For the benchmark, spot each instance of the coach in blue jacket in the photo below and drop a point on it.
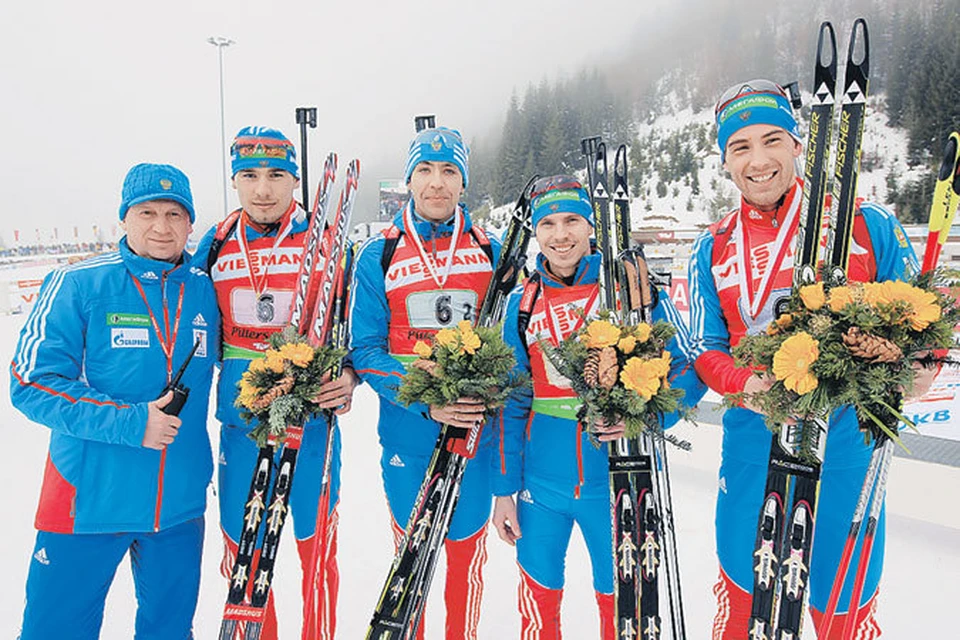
(103, 341)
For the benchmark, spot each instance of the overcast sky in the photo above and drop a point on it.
(91, 88)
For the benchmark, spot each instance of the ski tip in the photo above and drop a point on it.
(827, 46)
(859, 43)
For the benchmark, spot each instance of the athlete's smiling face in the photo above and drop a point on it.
(564, 240)
(760, 160)
(157, 229)
(265, 192)
(436, 188)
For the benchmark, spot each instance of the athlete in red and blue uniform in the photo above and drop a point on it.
(95, 355)
(254, 257)
(740, 268)
(546, 457)
(428, 271)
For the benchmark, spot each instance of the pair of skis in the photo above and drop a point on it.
(317, 315)
(946, 197)
(641, 507)
(786, 520)
(400, 607)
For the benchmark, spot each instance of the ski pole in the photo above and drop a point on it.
(306, 116)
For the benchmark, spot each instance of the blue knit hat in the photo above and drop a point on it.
(262, 147)
(439, 144)
(560, 194)
(754, 102)
(146, 182)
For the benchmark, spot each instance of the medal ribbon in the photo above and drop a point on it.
(428, 262)
(786, 231)
(167, 340)
(554, 327)
(259, 286)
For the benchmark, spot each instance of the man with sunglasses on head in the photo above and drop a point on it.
(547, 456)
(426, 272)
(740, 268)
(253, 257)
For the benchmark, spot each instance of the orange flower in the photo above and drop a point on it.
(923, 304)
(299, 353)
(643, 331)
(627, 345)
(841, 297)
(422, 349)
(470, 342)
(873, 293)
(600, 334)
(784, 320)
(257, 365)
(642, 376)
(813, 296)
(792, 361)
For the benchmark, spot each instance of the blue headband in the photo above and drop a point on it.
(438, 145)
(561, 195)
(755, 108)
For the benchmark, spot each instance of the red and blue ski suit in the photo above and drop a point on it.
(720, 317)
(390, 311)
(546, 456)
(275, 254)
(101, 343)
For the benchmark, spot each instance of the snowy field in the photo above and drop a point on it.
(919, 591)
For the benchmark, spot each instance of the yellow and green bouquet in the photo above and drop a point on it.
(463, 362)
(850, 345)
(278, 389)
(620, 372)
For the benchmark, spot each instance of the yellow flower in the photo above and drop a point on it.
(248, 393)
(792, 361)
(784, 320)
(299, 353)
(813, 296)
(274, 361)
(643, 332)
(422, 349)
(923, 304)
(600, 334)
(470, 342)
(840, 297)
(642, 376)
(627, 345)
(446, 337)
(464, 326)
(873, 293)
(258, 365)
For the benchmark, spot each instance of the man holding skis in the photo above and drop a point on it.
(740, 268)
(428, 271)
(546, 454)
(124, 472)
(254, 257)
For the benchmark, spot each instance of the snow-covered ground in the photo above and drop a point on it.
(919, 593)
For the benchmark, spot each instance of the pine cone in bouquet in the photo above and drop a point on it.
(870, 347)
(591, 368)
(607, 368)
(281, 388)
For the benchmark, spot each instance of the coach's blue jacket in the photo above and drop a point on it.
(88, 361)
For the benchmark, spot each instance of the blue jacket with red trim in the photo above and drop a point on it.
(87, 364)
(390, 312)
(539, 436)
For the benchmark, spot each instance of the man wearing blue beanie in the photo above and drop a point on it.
(124, 472)
(548, 473)
(428, 271)
(254, 258)
(740, 268)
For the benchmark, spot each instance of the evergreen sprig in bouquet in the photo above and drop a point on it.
(620, 371)
(463, 362)
(850, 345)
(278, 389)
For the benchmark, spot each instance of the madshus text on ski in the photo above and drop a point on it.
(117, 359)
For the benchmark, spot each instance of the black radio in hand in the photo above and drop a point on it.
(180, 392)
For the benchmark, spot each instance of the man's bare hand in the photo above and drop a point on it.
(923, 379)
(608, 432)
(505, 519)
(464, 413)
(756, 385)
(337, 394)
(161, 428)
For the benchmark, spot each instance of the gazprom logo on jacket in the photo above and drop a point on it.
(129, 338)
